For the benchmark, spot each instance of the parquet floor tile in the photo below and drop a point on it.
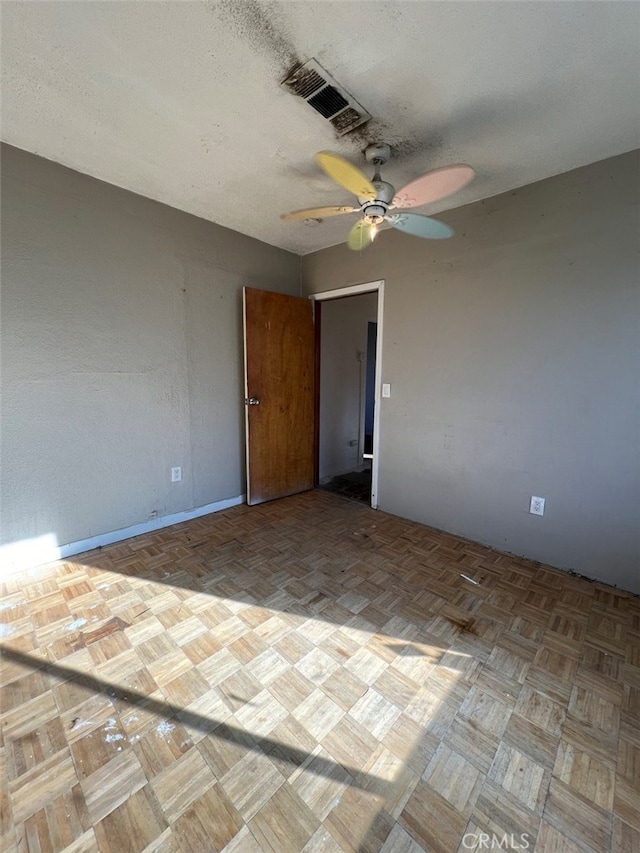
(310, 676)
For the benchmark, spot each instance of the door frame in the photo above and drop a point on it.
(354, 290)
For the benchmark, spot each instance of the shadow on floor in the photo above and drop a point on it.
(355, 485)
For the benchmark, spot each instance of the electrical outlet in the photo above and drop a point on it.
(536, 507)
(176, 475)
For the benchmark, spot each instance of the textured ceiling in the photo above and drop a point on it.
(181, 102)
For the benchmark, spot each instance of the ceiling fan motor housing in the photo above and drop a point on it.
(375, 210)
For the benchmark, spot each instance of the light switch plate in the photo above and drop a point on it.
(386, 389)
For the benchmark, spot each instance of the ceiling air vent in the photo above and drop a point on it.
(318, 88)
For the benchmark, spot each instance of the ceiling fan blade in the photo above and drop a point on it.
(433, 186)
(360, 236)
(421, 226)
(346, 174)
(317, 213)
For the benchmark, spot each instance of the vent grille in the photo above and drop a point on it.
(318, 88)
(305, 81)
(328, 102)
(346, 120)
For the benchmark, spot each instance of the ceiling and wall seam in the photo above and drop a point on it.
(183, 103)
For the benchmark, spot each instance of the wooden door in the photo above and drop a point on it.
(279, 394)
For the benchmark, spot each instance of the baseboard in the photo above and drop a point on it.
(17, 556)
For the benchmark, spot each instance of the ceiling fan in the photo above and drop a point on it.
(378, 200)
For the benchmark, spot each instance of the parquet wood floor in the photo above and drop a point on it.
(311, 675)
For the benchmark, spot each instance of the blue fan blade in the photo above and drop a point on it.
(421, 226)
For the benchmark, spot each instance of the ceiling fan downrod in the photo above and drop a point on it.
(374, 210)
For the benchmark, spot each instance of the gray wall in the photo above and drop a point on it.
(513, 353)
(122, 353)
(342, 381)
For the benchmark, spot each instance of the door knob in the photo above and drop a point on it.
(252, 401)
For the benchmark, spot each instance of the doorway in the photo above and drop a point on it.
(370, 387)
(348, 353)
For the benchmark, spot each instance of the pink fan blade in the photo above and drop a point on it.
(433, 186)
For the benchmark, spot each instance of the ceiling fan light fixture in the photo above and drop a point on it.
(375, 213)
